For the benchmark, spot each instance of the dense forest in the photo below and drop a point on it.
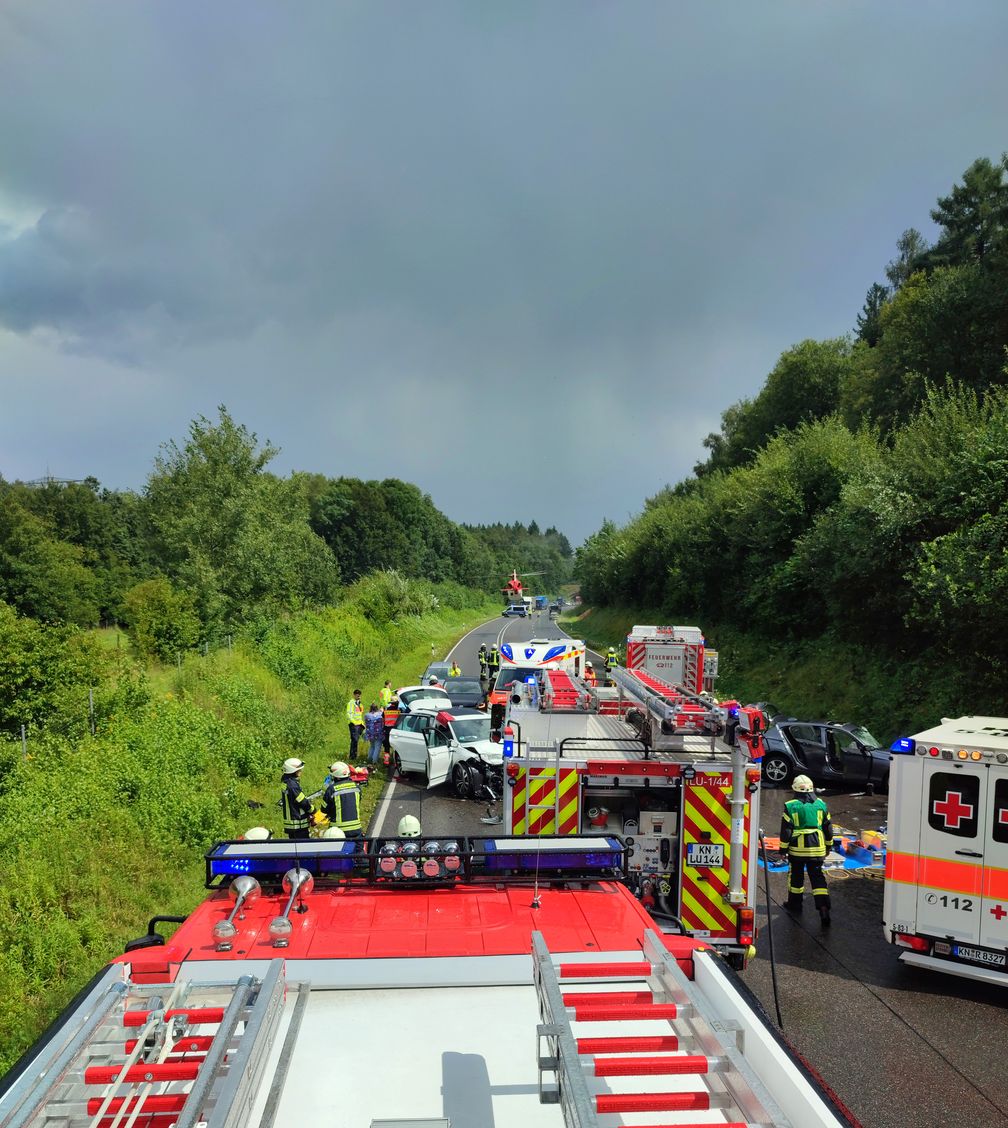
(216, 541)
(863, 493)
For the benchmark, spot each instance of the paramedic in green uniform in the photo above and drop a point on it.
(806, 833)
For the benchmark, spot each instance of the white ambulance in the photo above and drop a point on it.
(946, 891)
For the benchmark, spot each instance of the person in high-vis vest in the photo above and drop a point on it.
(385, 694)
(390, 714)
(455, 671)
(493, 660)
(341, 803)
(806, 834)
(589, 674)
(295, 805)
(483, 661)
(355, 721)
(611, 659)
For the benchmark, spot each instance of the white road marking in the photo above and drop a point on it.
(466, 635)
(379, 817)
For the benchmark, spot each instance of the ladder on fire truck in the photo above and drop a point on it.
(133, 1058)
(666, 1029)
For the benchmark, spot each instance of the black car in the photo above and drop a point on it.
(465, 691)
(830, 754)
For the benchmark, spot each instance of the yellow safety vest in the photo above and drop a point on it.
(355, 712)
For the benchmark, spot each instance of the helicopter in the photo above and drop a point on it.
(513, 589)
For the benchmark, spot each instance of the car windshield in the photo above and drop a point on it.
(864, 736)
(471, 728)
(463, 687)
(514, 673)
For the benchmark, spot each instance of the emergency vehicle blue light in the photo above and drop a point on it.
(733, 711)
(508, 748)
(554, 652)
(507, 651)
(904, 746)
(530, 680)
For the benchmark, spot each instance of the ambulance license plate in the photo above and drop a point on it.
(709, 854)
(978, 955)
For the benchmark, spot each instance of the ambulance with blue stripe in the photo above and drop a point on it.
(945, 904)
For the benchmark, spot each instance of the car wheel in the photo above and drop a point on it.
(462, 781)
(776, 770)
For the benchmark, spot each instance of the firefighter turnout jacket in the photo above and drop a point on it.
(341, 805)
(295, 805)
(806, 829)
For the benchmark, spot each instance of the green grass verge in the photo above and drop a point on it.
(99, 834)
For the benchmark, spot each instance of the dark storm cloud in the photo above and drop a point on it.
(619, 214)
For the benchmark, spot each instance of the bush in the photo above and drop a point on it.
(161, 621)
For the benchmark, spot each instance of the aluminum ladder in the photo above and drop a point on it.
(140, 1055)
(657, 1025)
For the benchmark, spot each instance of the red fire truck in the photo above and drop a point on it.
(647, 761)
(506, 982)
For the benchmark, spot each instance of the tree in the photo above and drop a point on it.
(161, 622)
(911, 247)
(973, 216)
(234, 536)
(869, 325)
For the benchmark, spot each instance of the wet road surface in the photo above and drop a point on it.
(902, 1047)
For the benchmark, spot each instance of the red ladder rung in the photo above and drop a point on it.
(651, 1066)
(195, 1015)
(602, 970)
(606, 998)
(177, 1071)
(625, 1014)
(628, 1045)
(165, 1102)
(652, 1102)
(187, 1045)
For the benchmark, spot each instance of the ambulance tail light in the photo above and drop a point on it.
(915, 943)
(904, 746)
(746, 926)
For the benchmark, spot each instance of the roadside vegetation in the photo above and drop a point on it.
(845, 544)
(99, 832)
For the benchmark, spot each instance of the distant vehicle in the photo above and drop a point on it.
(410, 695)
(443, 744)
(515, 611)
(556, 607)
(437, 670)
(465, 691)
(840, 755)
(540, 602)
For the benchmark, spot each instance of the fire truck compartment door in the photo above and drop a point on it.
(994, 906)
(951, 859)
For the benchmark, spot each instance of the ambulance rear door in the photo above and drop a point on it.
(950, 863)
(994, 905)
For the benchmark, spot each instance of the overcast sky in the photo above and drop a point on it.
(522, 254)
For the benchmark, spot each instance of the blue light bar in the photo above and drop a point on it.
(904, 746)
(530, 855)
(273, 858)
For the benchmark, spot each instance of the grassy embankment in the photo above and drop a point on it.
(98, 834)
(822, 678)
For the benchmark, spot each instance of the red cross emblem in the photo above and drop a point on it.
(953, 810)
(997, 912)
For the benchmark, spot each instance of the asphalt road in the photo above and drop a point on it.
(902, 1048)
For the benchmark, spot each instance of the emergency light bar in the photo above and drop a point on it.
(904, 746)
(376, 861)
(322, 857)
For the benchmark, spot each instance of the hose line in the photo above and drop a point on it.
(769, 924)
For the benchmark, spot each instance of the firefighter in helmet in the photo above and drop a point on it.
(295, 805)
(341, 802)
(493, 660)
(611, 659)
(589, 675)
(806, 833)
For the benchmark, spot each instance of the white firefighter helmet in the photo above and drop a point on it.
(257, 834)
(292, 764)
(409, 827)
(802, 784)
(333, 832)
(339, 770)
